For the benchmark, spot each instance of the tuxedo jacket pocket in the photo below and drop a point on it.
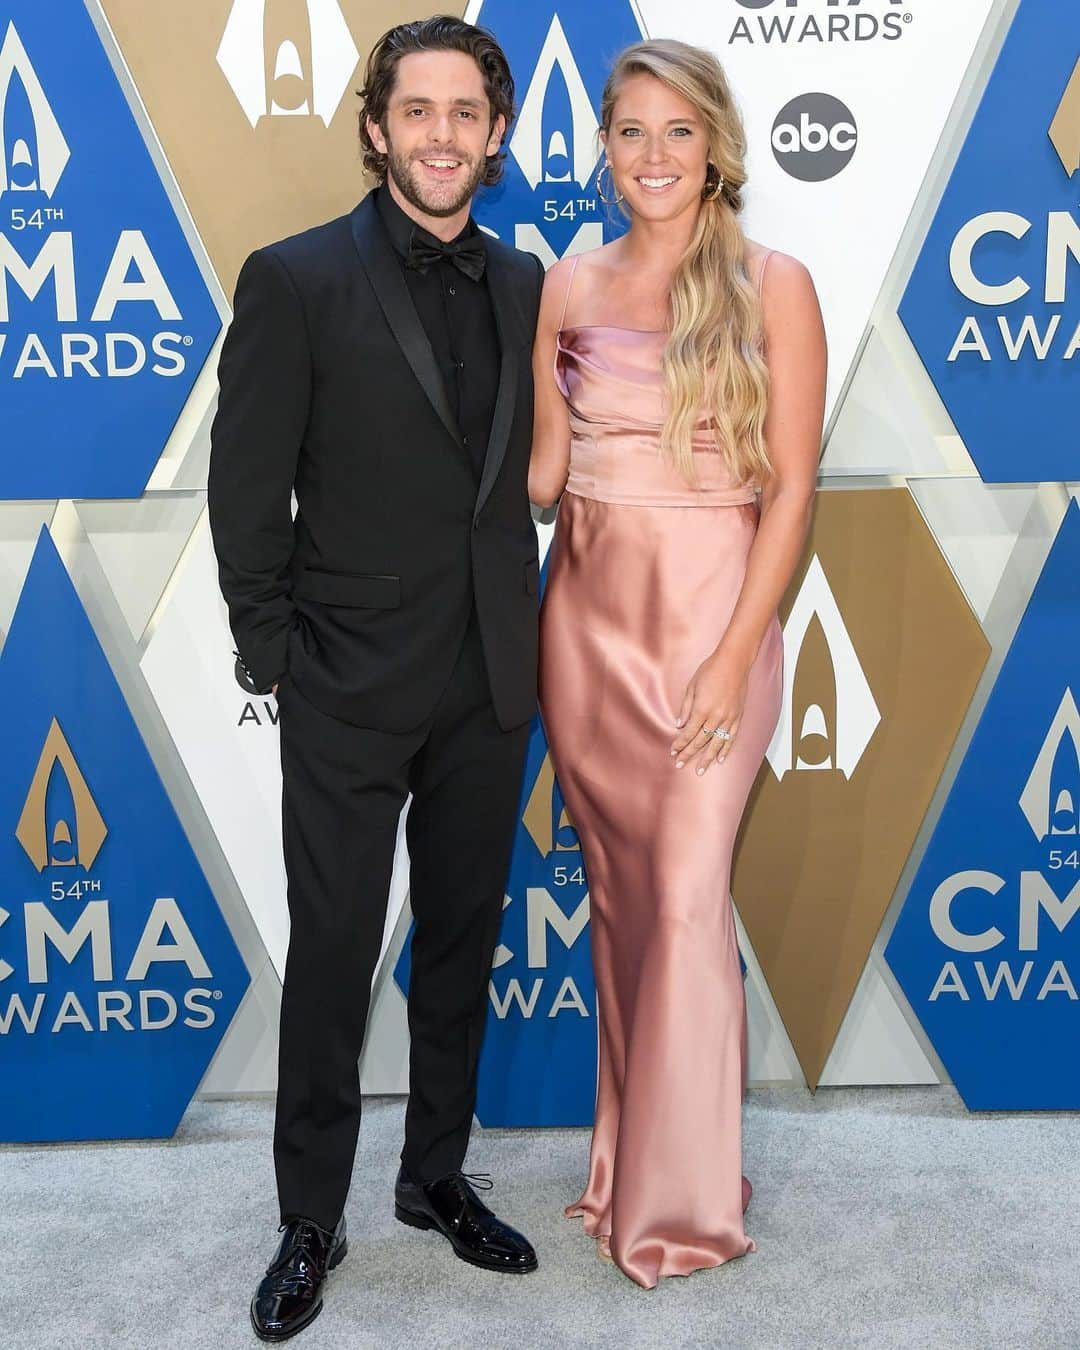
(354, 590)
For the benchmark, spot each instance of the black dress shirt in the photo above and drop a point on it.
(457, 317)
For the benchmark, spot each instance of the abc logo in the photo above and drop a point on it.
(814, 137)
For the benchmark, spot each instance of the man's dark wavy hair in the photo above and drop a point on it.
(443, 33)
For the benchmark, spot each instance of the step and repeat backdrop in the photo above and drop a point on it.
(907, 880)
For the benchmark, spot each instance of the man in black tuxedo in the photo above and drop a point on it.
(379, 367)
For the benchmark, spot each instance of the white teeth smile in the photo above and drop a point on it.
(657, 182)
(441, 163)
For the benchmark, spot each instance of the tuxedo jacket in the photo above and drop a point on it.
(330, 389)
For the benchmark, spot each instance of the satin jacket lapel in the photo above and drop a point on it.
(383, 267)
(509, 324)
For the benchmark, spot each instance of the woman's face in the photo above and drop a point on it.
(657, 148)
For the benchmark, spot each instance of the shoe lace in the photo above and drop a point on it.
(482, 1181)
(297, 1279)
(327, 1233)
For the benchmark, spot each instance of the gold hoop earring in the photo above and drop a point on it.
(608, 201)
(711, 191)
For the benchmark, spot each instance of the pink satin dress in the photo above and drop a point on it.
(644, 573)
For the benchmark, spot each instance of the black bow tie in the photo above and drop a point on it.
(466, 254)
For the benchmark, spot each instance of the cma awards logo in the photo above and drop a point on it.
(1039, 337)
(829, 713)
(59, 846)
(118, 974)
(1002, 342)
(547, 202)
(820, 21)
(548, 826)
(538, 1059)
(61, 827)
(1050, 802)
(98, 288)
(33, 151)
(552, 153)
(1065, 128)
(987, 945)
(538, 1063)
(132, 273)
(288, 58)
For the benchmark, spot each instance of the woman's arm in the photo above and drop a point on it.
(549, 463)
(795, 345)
(795, 348)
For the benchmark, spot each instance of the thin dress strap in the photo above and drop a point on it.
(761, 273)
(569, 288)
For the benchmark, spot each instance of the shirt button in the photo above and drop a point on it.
(461, 365)
(465, 440)
(452, 291)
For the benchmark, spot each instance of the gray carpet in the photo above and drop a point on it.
(883, 1219)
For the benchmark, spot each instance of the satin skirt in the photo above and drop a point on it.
(636, 598)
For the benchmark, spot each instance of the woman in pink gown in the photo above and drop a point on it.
(680, 388)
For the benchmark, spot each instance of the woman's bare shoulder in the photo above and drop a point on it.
(782, 267)
(560, 272)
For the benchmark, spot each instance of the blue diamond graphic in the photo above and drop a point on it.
(547, 201)
(118, 974)
(105, 319)
(987, 945)
(993, 303)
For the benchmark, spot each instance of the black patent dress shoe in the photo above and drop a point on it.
(452, 1206)
(289, 1295)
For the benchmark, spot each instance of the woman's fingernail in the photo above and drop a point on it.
(679, 721)
(701, 771)
(678, 763)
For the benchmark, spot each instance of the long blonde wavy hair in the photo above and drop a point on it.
(713, 359)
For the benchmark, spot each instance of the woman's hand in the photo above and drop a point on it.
(714, 700)
(795, 342)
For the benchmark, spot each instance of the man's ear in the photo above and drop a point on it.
(374, 131)
(498, 130)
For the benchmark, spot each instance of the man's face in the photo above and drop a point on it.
(438, 131)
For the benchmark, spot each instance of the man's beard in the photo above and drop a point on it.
(434, 199)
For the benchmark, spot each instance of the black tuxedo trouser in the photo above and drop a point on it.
(344, 787)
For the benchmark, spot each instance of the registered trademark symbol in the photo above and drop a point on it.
(188, 342)
(216, 993)
(908, 16)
